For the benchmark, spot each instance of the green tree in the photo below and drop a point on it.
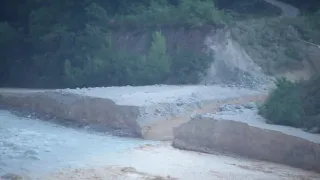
(158, 61)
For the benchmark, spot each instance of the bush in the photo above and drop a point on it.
(294, 104)
(283, 105)
(311, 96)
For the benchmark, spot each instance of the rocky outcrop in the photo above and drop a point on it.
(206, 134)
(101, 113)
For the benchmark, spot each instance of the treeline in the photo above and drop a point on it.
(66, 43)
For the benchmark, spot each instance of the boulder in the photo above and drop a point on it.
(209, 135)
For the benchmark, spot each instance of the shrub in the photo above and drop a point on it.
(311, 96)
(283, 106)
(294, 104)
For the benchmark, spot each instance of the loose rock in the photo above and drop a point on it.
(251, 105)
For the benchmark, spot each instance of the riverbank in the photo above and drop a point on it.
(42, 150)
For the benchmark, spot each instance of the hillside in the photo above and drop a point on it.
(127, 89)
(90, 43)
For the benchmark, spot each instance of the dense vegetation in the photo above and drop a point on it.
(67, 43)
(294, 104)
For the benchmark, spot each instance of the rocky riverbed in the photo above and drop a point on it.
(128, 111)
(41, 149)
(35, 149)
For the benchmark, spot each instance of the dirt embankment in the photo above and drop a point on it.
(213, 136)
(79, 110)
(150, 111)
(241, 131)
(163, 130)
